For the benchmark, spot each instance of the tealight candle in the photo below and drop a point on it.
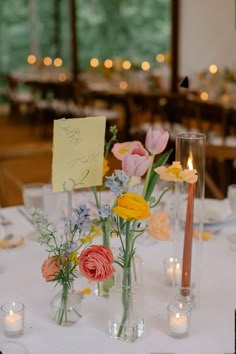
(178, 319)
(172, 270)
(13, 319)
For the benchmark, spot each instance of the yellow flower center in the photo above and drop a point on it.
(174, 170)
(123, 150)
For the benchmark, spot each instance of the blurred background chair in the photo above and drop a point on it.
(23, 163)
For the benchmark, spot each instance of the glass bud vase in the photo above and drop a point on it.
(102, 288)
(126, 302)
(65, 307)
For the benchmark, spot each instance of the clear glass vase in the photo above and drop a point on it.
(65, 307)
(102, 288)
(126, 302)
(190, 152)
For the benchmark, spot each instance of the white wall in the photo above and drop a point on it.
(207, 35)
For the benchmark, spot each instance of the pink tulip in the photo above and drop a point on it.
(135, 165)
(156, 140)
(95, 263)
(119, 150)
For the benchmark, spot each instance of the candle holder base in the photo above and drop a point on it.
(178, 316)
(12, 334)
(186, 295)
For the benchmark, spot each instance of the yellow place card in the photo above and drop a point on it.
(78, 150)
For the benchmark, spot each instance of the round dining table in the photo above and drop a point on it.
(212, 327)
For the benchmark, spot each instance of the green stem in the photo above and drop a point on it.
(148, 175)
(105, 234)
(62, 314)
(126, 281)
(162, 194)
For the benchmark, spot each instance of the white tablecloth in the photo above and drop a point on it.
(212, 325)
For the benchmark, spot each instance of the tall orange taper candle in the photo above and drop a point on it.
(187, 252)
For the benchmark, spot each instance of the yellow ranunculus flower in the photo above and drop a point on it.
(132, 206)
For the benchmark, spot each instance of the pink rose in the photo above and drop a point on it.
(119, 150)
(159, 226)
(156, 140)
(135, 165)
(95, 263)
(51, 268)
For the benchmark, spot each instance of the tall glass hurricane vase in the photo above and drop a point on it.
(190, 152)
(126, 302)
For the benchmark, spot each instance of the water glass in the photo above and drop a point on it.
(54, 204)
(33, 195)
(231, 193)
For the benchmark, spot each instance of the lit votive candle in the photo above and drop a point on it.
(13, 319)
(178, 319)
(172, 270)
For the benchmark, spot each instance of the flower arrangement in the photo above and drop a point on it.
(127, 217)
(130, 214)
(61, 266)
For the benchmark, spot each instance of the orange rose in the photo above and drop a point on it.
(51, 267)
(95, 263)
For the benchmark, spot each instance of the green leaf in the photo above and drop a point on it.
(154, 176)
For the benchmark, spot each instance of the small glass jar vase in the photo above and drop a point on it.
(126, 302)
(65, 307)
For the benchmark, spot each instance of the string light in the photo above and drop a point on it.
(145, 65)
(31, 59)
(62, 77)
(57, 62)
(126, 65)
(204, 96)
(160, 58)
(108, 63)
(213, 69)
(94, 62)
(47, 61)
(123, 85)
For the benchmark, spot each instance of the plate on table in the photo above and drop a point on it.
(215, 211)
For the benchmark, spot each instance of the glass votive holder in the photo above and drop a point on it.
(178, 316)
(13, 319)
(172, 270)
(186, 295)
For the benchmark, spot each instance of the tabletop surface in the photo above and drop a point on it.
(212, 325)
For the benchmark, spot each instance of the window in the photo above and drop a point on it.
(132, 29)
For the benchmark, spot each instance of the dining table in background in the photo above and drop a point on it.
(212, 328)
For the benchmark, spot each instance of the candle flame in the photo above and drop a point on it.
(190, 162)
(11, 313)
(177, 315)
